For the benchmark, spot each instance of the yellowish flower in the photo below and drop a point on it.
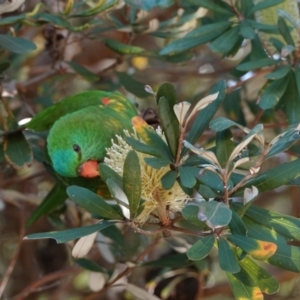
(157, 201)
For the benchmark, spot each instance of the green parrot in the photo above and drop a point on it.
(77, 140)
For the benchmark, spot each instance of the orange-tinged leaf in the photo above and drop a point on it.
(140, 126)
(260, 250)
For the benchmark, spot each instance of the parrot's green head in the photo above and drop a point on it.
(76, 145)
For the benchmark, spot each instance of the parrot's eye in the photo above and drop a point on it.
(76, 148)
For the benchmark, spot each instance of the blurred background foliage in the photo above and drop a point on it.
(52, 49)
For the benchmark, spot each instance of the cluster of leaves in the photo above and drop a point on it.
(240, 232)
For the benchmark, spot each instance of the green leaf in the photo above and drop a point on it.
(4, 65)
(90, 265)
(206, 192)
(144, 148)
(280, 72)
(263, 5)
(149, 4)
(190, 213)
(201, 249)
(236, 225)
(243, 287)
(227, 258)
(168, 180)
(214, 214)
(246, 30)
(206, 114)
(266, 282)
(291, 98)
(157, 163)
(53, 19)
(257, 64)
(196, 37)
(107, 172)
(224, 146)
(82, 71)
(273, 92)
(276, 177)
(17, 150)
(122, 48)
(166, 98)
(260, 250)
(285, 31)
(12, 19)
(212, 180)
(283, 224)
(212, 6)
(225, 42)
(69, 234)
(132, 182)
(16, 44)
(131, 85)
(54, 198)
(187, 176)
(221, 123)
(92, 202)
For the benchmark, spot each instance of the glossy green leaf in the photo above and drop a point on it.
(246, 30)
(206, 192)
(16, 44)
(148, 5)
(236, 225)
(280, 72)
(166, 98)
(212, 6)
(221, 123)
(190, 213)
(263, 27)
(53, 19)
(82, 71)
(224, 146)
(225, 42)
(196, 37)
(92, 202)
(276, 177)
(263, 5)
(157, 163)
(266, 282)
(187, 176)
(291, 99)
(132, 182)
(260, 250)
(243, 287)
(17, 150)
(107, 172)
(227, 259)
(272, 93)
(12, 19)
(285, 31)
(212, 180)
(69, 234)
(168, 180)
(122, 48)
(283, 224)
(206, 114)
(132, 85)
(90, 265)
(215, 214)
(54, 198)
(257, 64)
(201, 249)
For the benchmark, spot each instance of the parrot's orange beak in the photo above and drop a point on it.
(88, 169)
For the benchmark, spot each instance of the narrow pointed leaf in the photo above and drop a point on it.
(16, 44)
(236, 225)
(106, 172)
(257, 64)
(227, 259)
(82, 71)
(92, 202)
(201, 249)
(70, 234)
(280, 72)
(132, 184)
(224, 146)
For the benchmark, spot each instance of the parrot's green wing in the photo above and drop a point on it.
(116, 101)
